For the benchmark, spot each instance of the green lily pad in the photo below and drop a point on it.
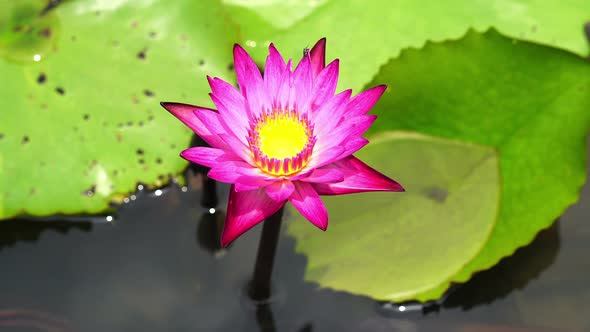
(366, 34)
(394, 246)
(81, 122)
(530, 102)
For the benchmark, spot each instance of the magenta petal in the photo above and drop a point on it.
(325, 84)
(274, 71)
(245, 210)
(249, 80)
(203, 156)
(307, 201)
(184, 113)
(280, 190)
(363, 102)
(302, 85)
(324, 175)
(328, 115)
(318, 57)
(358, 177)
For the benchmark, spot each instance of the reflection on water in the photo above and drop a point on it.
(158, 268)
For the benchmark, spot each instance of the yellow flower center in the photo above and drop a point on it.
(281, 142)
(282, 136)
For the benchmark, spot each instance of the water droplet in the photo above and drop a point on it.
(158, 192)
(212, 211)
(250, 43)
(109, 218)
(37, 57)
(140, 187)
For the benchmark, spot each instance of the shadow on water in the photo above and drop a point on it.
(512, 273)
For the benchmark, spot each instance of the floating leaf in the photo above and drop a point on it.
(395, 246)
(366, 34)
(81, 122)
(530, 102)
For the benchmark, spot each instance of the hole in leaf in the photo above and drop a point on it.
(41, 78)
(45, 33)
(142, 54)
(90, 191)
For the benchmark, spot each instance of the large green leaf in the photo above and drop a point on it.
(530, 102)
(80, 122)
(395, 246)
(366, 34)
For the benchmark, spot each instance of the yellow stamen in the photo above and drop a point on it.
(282, 136)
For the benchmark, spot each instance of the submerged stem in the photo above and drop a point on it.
(260, 286)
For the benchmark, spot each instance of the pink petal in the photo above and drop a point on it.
(362, 103)
(323, 157)
(249, 80)
(274, 71)
(280, 190)
(230, 105)
(325, 85)
(353, 145)
(358, 177)
(302, 84)
(318, 57)
(348, 131)
(245, 210)
(284, 91)
(240, 173)
(231, 121)
(184, 113)
(324, 175)
(204, 156)
(328, 115)
(308, 202)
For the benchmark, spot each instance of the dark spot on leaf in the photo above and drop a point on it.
(43, 106)
(134, 99)
(60, 90)
(150, 118)
(33, 191)
(161, 177)
(119, 125)
(141, 161)
(25, 140)
(534, 28)
(140, 123)
(139, 152)
(97, 13)
(119, 137)
(41, 78)
(1, 135)
(17, 28)
(148, 93)
(183, 37)
(173, 146)
(90, 191)
(158, 160)
(152, 34)
(46, 33)
(115, 172)
(201, 62)
(42, 164)
(134, 24)
(142, 54)
(230, 67)
(115, 43)
(74, 38)
(86, 117)
(436, 194)
(129, 124)
(75, 128)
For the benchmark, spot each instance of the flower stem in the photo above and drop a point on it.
(260, 285)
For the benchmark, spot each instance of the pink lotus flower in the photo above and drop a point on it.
(283, 137)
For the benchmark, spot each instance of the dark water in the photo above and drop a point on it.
(156, 268)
